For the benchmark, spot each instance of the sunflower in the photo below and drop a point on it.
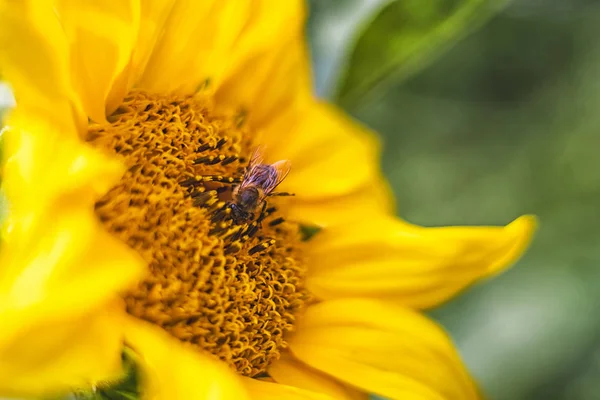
(135, 123)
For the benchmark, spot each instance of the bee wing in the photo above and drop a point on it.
(255, 161)
(253, 167)
(282, 169)
(257, 157)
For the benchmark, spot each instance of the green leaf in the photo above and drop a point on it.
(405, 37)
(308, 231)
(125, 389)
(119, 395)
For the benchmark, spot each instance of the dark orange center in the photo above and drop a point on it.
(226, 287)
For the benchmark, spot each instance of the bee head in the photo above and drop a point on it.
(239, 214)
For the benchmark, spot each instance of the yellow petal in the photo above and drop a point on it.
(415, 266)
(50, 260)
(289, 371)
(195, 45)
(371, 199)
(271, 25)
(153, 17)
(34, 58)
(50, 354)
(121, 85)
(102, 35)
(51, 230)
(269, 84)
(267, 67)
(268, 75)
(172, 371)
(42, 165)
(383, 349)
(261, 390)
(59, 267)
(331, 155)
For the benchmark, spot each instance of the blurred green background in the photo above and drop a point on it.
(488, 112)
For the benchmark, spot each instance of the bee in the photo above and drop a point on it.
(257, 184)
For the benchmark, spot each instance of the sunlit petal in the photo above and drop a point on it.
(290, 371)
(101, 35)
(42, 353)
(171, 371)
(374, 198)
(199, 35)
(382, 349)
(262, 390)
(415, 266)
(51, 184)
(34, 60)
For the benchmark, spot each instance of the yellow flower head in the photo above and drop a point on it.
(142, 215)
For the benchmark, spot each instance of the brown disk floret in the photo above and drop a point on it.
(229, 289)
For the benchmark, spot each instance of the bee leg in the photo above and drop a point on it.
(252, 228)
(221, 213)
(276, 221)
(281, 194)
(262, 214)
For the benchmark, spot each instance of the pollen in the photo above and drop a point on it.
(229, 288)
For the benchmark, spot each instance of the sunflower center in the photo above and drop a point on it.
(223, 285)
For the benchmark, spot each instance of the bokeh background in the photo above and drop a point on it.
(489, 110)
